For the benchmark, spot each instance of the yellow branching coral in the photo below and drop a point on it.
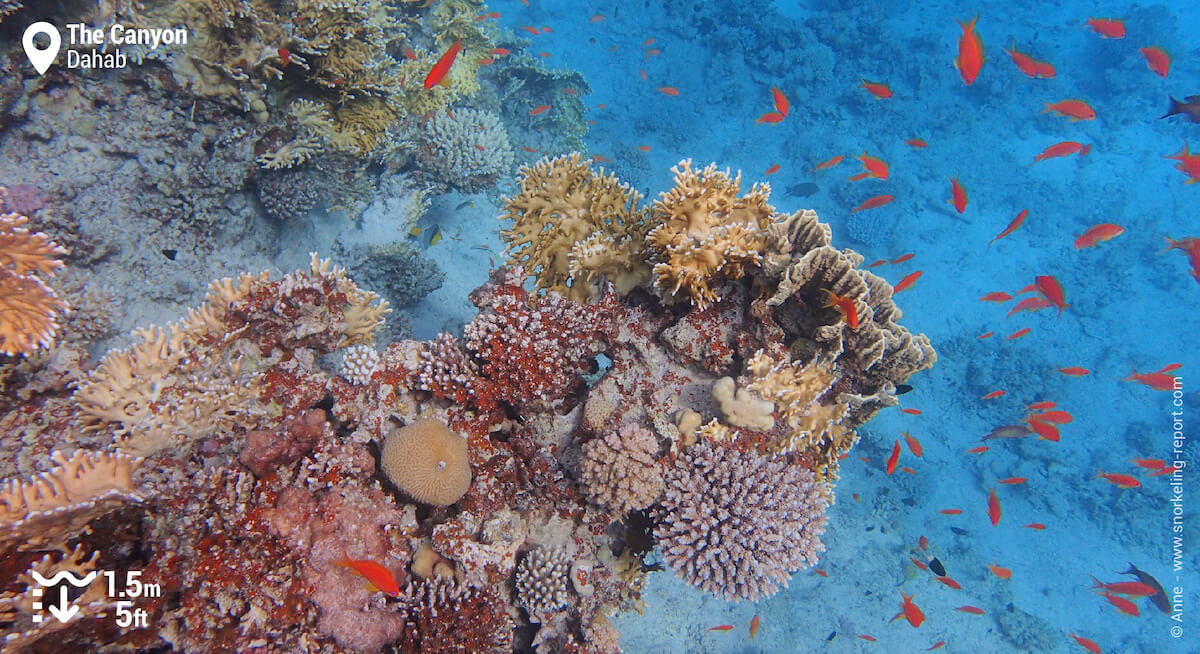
(53, 506)
(706, 232)
(572, 227)
(29, 309)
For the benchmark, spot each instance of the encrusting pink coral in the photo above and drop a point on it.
(736, 523)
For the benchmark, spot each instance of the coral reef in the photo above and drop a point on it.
(467, 149)
(358, 363)
(541, 581)
(427, 461)
(737, 524)
(620, 470)
(29, 309)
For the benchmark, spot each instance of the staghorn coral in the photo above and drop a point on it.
(467, 149)
(29, 309)
(58, 503)
(427, 461)
(736, 523)
(573, 228)
(619, 470)
(541, 581)
(706, 232)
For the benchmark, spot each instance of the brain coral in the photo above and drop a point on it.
(706, 231)
(737, 524)
(428, 461)
(466, 148)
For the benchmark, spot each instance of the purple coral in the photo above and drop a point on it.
(619, 470)
(737, 524)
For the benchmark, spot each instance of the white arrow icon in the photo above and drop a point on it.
(41, 58)
(67, 611)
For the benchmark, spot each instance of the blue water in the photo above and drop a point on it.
(1130, 305)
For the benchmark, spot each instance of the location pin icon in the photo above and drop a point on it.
(41, 59)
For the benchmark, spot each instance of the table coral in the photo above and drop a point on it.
(736, 523)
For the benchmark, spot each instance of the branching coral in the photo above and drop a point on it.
(466, 148)
(573, 227)
(541, 581)
(29, 309)
(57, 504)
(441, 616)
(706, 232)
(620, 470)
(736, 523)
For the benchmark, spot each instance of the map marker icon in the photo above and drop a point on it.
(41, 58)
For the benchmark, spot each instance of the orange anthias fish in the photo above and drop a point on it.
(973, 610)
(1045, 69)
(1087, 644)
(770, 171)
(958, 195)
(1121, 481)
(845, 306)
(1041, 406)
(1012, 227)
(1157, 60)
(877, 89)
(1029, 304)
(916, 143)
(895, 456)
(1097, 234)
(949, 582)
(970, 52)
(902, 258)
(378, 577)
(1044, 430)
(1189, 164)
(669, 90)
(770, 118)
(825, 165)
(1073, 109)
(1058, 417)
(780, 101)
(1109, 28)
(1123, 605)
(754, 624)
(1013, 480)
(874, 167)
(437, 74)
(908, 281)
(997, 296)
(1156, 380)
(910, 611)
(1003, 573)
(914, 446)
(1024, 62)
(993, 510)
(1017, 334)
(993, 395)
(1131, 588)
(1052, 291)
(723, 627)
(1035, 525)
(873, 203)
(1064, 149)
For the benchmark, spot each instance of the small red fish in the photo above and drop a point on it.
(979, 449)
(1150, 464)
(647, 41)
(914, 446)
(908, 281)
(876, 264)
(1075, 371)
(1052, 290)
(1098, 234)
(993, 395)
(958, 195)
(1123, 605)
(539, 110)
(997, 296)
(754, 624)
(911, 412)
(722, 627)
(378, 577)
(973, 610)
(923, 542)
(532, 30)
(596, 18)
(908, 470)
(1073, 109)
(437, 74)
(916, 144)
(877, 89)
(1003, 573)
(1013, 480)
(1109, 28)
(1035, 525)
(951, 511)
(986, 335)
(938, 645)
(895, 456)
(1024, 62)
(1155, 380)
(528, 149)
(1041, 406)
(1055, 417)
(782, 105)
(1123, 482)
(919, 564)
(285, 56)
(874, 166)
(950, 583)
(844, 306)
(822, 573)
(825, 165)
(1045, 431)
(1063, 149)
(651, 53)
(902, 258)
(1012, 226)
(1045, 69)
(867, 637)
(970, 52)
(1029, 304)
(1087, 644)
(499, 52)
(772, 170)
(910, 611)
(668, 90)
(993, 510)
(874, 203)
(1130, 588)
